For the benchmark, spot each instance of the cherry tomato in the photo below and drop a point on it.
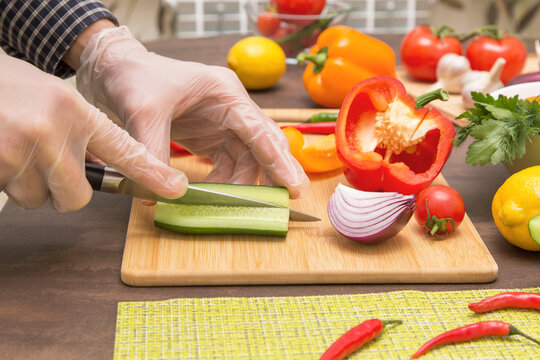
(422, 48)
(483, 51)
(267, 22)
(446, 210)
(300, 7)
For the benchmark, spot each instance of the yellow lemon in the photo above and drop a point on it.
(259, 62)
(515, 203)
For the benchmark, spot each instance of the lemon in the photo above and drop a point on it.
(259, 62)
(515, 203)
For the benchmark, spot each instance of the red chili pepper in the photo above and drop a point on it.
(178, 148)
(353, 339)
(470, 332)
(521, 300)
(323, 128)
(388, 144)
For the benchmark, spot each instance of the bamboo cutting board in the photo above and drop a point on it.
(311, 252)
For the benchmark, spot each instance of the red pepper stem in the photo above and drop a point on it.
(514, 331)
(388, 322)
(438, 94)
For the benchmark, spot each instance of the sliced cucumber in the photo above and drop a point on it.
(534, 228)
(219, 219)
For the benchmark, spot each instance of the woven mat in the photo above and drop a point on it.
(303, 327)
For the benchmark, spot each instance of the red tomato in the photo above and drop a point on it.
(300, 7)
(267, 23)
(422, 48)
(483, 51)
(443, 203)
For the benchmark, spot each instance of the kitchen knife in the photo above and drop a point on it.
(107, 179)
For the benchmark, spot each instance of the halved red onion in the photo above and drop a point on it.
(369, 217)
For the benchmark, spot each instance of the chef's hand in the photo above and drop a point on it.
(204, 108)
(46, 127)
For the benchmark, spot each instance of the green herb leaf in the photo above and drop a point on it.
(501, 128)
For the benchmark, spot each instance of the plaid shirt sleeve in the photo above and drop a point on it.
(41, 31)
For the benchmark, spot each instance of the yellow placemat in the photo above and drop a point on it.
(303, 327)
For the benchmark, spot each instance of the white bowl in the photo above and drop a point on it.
(524, 90)
(532, 152)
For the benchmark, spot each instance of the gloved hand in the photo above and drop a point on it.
(204, 108)
(46, 127)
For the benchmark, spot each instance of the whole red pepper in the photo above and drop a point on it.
(470, 332)
(386, 143)
(523, 300)
(355, 338)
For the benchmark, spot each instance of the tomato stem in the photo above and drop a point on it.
(438, 94)
(433, 224)
(443, 30)
(491, 31)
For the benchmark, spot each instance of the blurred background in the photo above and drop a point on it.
(155, 19)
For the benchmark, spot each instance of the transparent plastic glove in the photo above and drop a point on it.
(204, 108)
(46, 127)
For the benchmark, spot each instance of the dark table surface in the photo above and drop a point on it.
(60, 273)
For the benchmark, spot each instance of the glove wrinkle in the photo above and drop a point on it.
(202, 107)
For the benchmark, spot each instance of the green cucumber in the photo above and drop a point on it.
(222, 219)
(534, 228)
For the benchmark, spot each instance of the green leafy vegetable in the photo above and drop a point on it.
(501, 128)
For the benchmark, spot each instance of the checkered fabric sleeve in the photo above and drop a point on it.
(41, 31)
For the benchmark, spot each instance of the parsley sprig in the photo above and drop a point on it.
(500, 126)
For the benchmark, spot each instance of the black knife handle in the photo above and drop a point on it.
(94, 175)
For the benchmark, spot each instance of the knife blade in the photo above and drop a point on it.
(106, 179)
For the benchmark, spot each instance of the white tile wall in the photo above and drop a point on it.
(211, 17)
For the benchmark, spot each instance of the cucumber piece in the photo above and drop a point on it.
(220, 219)
(534, 228)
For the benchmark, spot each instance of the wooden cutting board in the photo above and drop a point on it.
(311, 252)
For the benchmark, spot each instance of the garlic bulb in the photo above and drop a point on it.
(481, 81)
(450, 69)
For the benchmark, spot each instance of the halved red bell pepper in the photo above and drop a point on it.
(386, 143)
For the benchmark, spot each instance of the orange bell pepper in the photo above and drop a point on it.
(295, 139)
(320, 156)
(341, 58)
